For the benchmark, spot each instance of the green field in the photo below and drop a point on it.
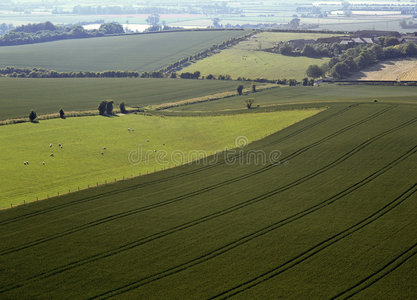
(245, 59)
(81, 163)
(19, 96)
(332, 216)
(146, 52)
(326, 93)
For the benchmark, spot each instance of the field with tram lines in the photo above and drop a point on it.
(330, 214)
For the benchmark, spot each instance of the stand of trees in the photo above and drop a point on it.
(358, 58)
(45, 32)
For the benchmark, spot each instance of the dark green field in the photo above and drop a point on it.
(332, 216)
(19, 96)
(145, 52)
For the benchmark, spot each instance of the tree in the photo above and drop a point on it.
(123, 108)
(309, 51)
(61, 114)
(253, 88)
(32, 116)
(111, 28)
(153, 20)
(314, 71)
(109, 107)
(240, 89)
(249, 102)
(340, 70)
(292, 82)
(216, 23)
(102, 108)
(294, 23)
(305, 81)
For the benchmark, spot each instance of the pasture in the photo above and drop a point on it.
(332, 216)
(144, 52)
(247, 60)
(20, 96)
(157, 143)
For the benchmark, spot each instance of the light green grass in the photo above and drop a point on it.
(80, 162)
(19, 96)
(245, 59)
(146, 52)
(337, 209)
(254, 64)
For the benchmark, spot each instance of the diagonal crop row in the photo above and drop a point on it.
(165, 179)
(292, 262)
(212, 187)
(391, 266)
(318, 247)
(236, 243)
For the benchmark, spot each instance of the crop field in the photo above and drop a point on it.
(324, 208)
(155, 144)
(246, 59)
(398, 69)
(326, 94)
(20, 96)
(146, 52)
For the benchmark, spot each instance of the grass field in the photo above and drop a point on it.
(335, 217)
(146, 52)
(20, 96)
(245, 59)
(330, 93)
(80, 162)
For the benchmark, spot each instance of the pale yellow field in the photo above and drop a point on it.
(399, 69)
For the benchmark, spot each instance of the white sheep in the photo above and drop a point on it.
(154, 150)
(147, 140)
(52, 155)
(128, 129)
(43, 163)
(50, 145)
(104, 148)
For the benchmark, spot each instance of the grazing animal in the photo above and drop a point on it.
(128, 129)
(52, 155)
(154, 150)
(104, 148)
(25, 163)
(147, 140)
(102, 153)
(163, 144)
(43, 163)
(50, 145)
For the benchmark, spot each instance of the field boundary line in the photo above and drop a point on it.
(206, 189)
(162, 180)
(258, 233)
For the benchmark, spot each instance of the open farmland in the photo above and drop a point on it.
(155, 144)
(20, 96)
(144, 52)
(398, 69)
(247, 60)
(285, 96)
(332, 216)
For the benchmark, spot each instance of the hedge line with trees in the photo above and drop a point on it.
(358, 58)
(46, 32)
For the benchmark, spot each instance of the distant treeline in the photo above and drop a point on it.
(46, 32)
(207, 8)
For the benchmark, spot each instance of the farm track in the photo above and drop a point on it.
(221, 184)
(235, 243)
(319, 247)
(368, 281)
(162, 180)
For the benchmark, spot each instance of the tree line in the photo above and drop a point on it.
(358, 58)
(46, 32)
